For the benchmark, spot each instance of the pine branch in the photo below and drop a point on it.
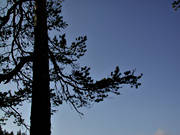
(6, 18)
(7, 77)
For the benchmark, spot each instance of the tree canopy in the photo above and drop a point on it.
(69, 82)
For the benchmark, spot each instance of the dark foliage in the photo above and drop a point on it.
(176, 4)
(4, 132)
(69, 82)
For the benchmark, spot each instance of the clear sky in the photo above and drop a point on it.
(134, 34)
(141, 34)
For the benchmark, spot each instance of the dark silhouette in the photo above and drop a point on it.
(4, 132)
(176, 4)
(44, 67)
(41, 107)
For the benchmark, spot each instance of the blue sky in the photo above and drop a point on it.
(141, 34)
(133, 34)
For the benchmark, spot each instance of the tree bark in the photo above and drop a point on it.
(41, 108)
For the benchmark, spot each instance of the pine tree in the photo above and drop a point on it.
(35, 56)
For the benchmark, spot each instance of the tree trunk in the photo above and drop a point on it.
(40, 108)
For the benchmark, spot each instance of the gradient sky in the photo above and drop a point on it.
(141, 34)
(134, 34)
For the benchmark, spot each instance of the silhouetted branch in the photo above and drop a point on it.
(6, 18)
(7, 77)
(18, 117)
(20, 120)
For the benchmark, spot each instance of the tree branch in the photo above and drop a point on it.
(19, 118)
(6, 18)
(7, 77)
